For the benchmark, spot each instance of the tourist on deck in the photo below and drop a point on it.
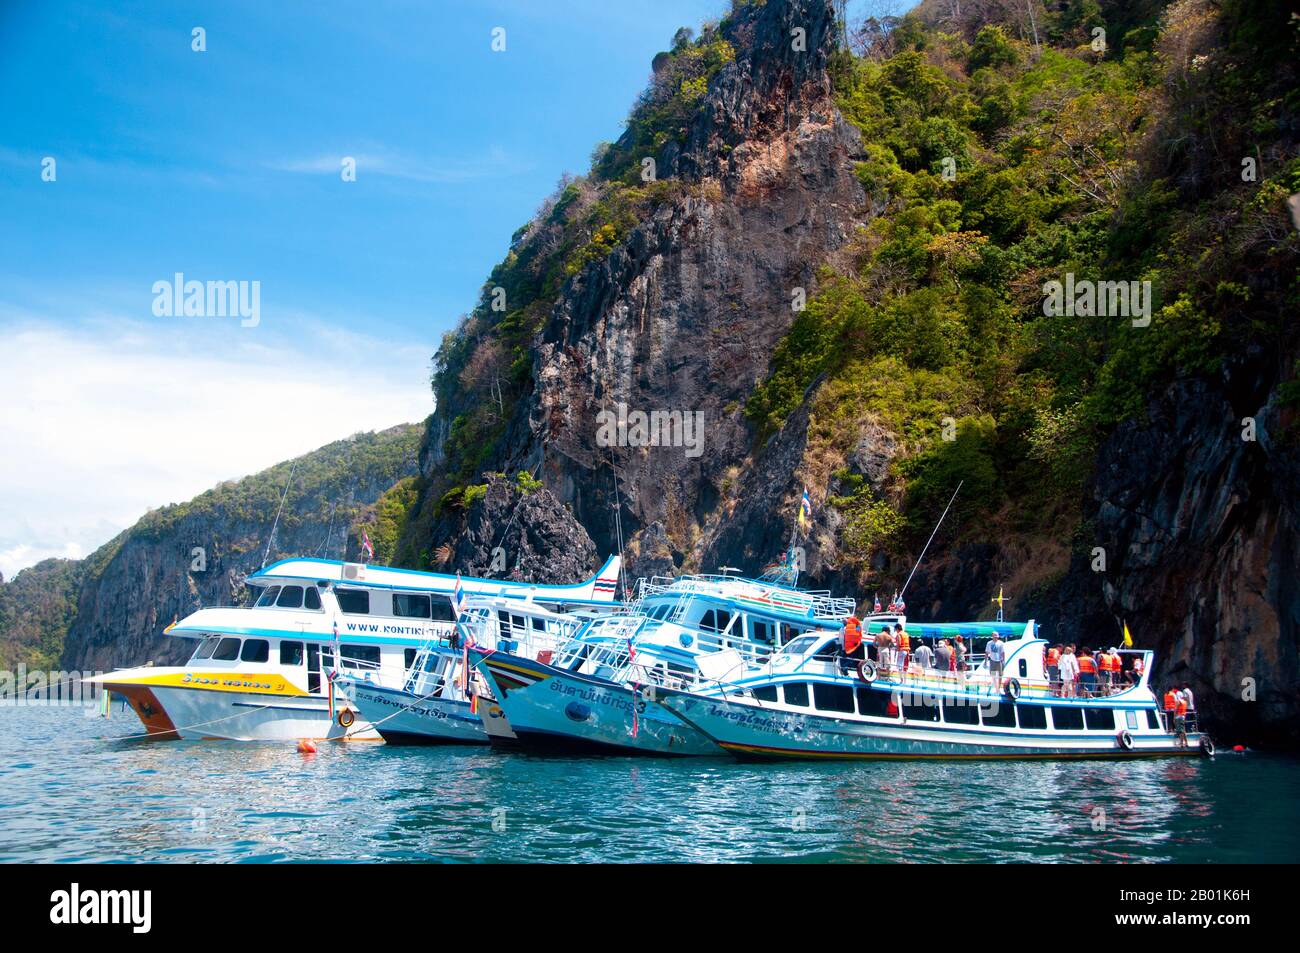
(1180, 718)
(902, 646)
(959, 658)
(1171, 704)
(995, 653)
(1191, 705)
(943, 656)
(1087, 673)
(1139, 667)
(924, 658)
(1105, 672)
(885, 650)
(851, 639)
(1052, 662)
(1069, 671)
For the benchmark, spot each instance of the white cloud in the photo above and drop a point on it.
(495, 163)
(104, 420)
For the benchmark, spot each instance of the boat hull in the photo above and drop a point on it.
(551, 708)
(749, 731)
(178, 703)
(403, 718)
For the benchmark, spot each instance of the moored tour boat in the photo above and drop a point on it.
(812, 702)
(262, 672)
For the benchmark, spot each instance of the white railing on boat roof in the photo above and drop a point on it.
(748, 592)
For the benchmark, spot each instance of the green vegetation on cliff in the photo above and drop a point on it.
(995, 167)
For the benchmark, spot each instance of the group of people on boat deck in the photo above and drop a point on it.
(1081, 673)
(896, 656)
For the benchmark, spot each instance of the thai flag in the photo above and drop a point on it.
(877, 603)
(458, 597)
(365, 544)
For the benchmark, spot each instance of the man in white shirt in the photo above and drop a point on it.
(1069, 668)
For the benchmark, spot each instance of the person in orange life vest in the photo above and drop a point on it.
(1138, 667)
(851, 638)
(1171, 702)
(1180, 718)
(1109, 663)
(1087, 672)
(902, 648)
(1051, 661)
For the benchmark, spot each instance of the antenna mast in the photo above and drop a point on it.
(930, 540)
(276, 522)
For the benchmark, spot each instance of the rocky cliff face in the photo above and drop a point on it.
(683, 316)
(199, 553)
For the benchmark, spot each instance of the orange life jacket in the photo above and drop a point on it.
(1087, 665)
(904, 642)
(1053, 656)
(1108, 663)
(1170, 700)
(1180, 705)
(852, 634)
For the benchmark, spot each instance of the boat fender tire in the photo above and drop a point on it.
(1012, 689)
(1125, 740)
(346, 718)
(1207, 746)
(867, 671)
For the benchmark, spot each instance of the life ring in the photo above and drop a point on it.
(346, 718)
(1125, 739)
(1012, 689)
(867, 671)
(1207, 746)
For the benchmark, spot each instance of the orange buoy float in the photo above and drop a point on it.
(306, 746)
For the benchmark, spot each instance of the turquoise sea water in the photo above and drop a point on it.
(72, 789)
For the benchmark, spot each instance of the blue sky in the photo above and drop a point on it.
(224, 165)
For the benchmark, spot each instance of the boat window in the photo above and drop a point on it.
(311, 598)
(1033, 716)
(290, 598)
(290, 653)
(1100, 719)
(408, 605)
(796, 695)
(998, 714)
(833, 697)
(874, 703)
(799, 645)
(1067, 719)
(927, 710)
(762, 631)
(205, 648)
(957, 712)
(724, 619)
(267, 598)
(709, 621)
(1024, 669)
(1153, 720)
(227, 650)
(354, 601)
(255, 650)
(360, 656)
(537, 625)
(765, 693)
(408, 658)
